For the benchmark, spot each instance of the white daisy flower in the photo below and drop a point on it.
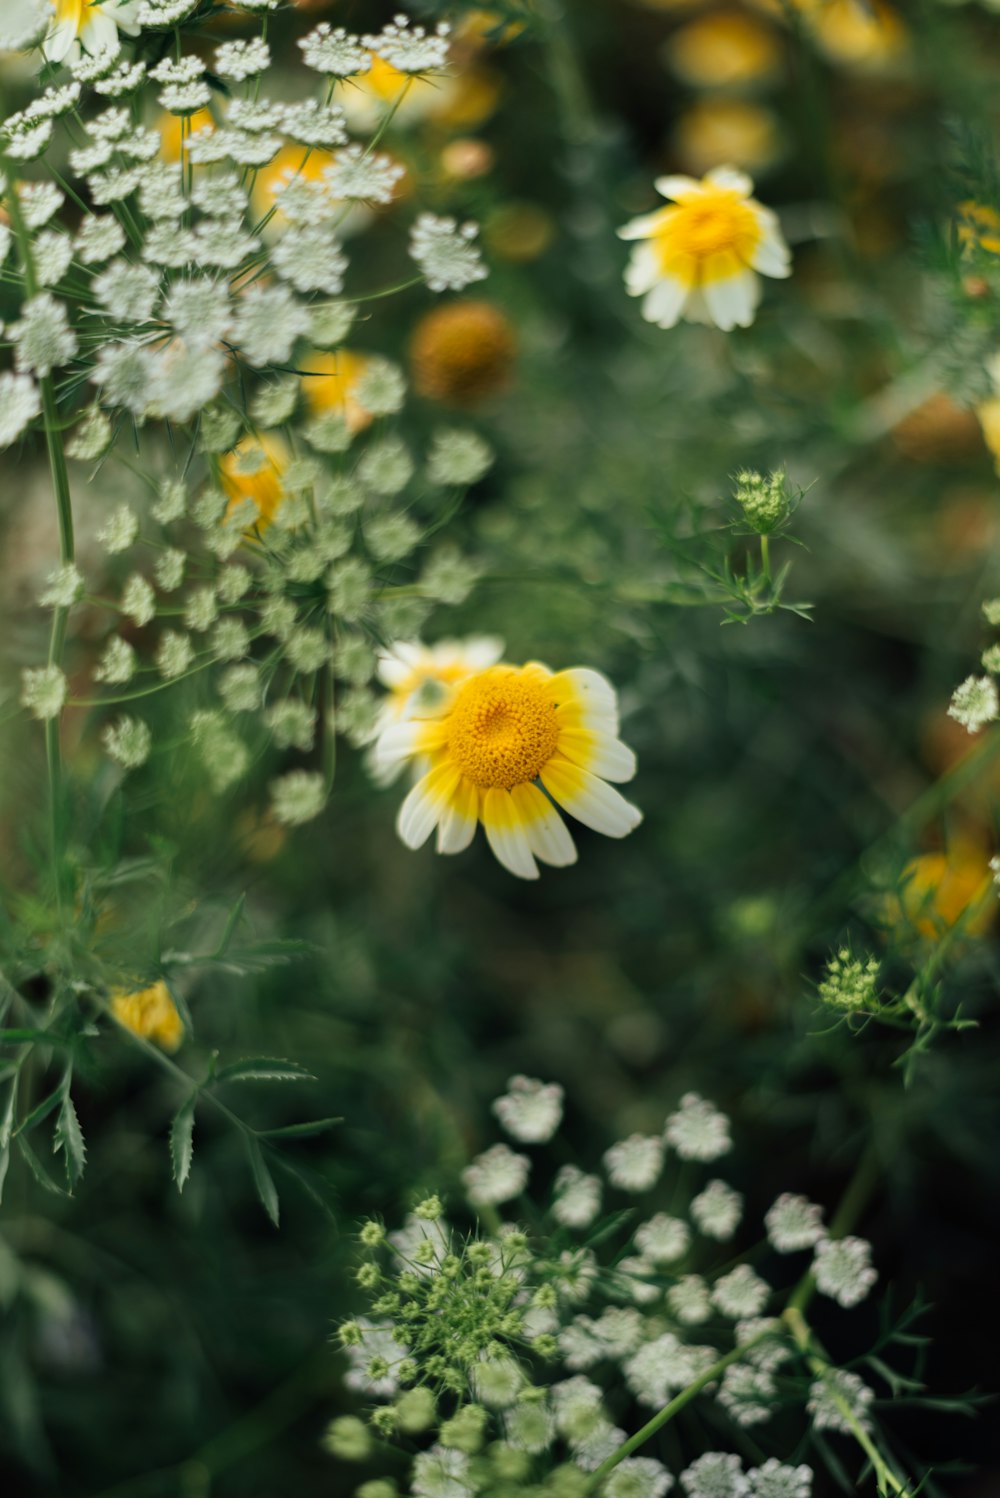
(701, 258)
(502, 743)
(81, 26)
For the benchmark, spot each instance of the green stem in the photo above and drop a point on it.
(662, 1417)
(765, 558)
(852, 1204)
(805, 1341)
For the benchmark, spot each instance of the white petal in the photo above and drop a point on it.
(601, 754)
(425, 805)
(59, 41)
(665, 303)
(457, 826)
(401, 741)
(506, 834)
(548, 836)
(642, 271)
(733, 301)
(679, 188)
(590, 800)
(696, 308)
(584, 687)
(482, 651)
(772, 256)
(99, 32)
(731, 177)
(642, 227)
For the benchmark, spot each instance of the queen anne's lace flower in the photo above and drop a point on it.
(446, 254)
(717, 1210)
(793, 1223)
(335, 52)
(497, 1175)
(843, 1269)
(411, 49)
(837, 1396)
(634, 1164)
(741, 1292)
(717, 1474)
(698, 1131)
(663, 1239)
(530, 1111)
(42, 336)
(775, 1480)
(576, 1197)
(975, 703)
(20, 403)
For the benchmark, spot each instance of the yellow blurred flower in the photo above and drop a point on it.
(941, 889)
(308, 164)
(462, 351)
(716, 131)
(174, 131)
(467, 158)
(939, 430)
(330, 382)
(519, 232)
(989, 419)
(858, 33)
(724, 50)
(151, 1013)
(979, 225)
(367, 97)
(253, 473)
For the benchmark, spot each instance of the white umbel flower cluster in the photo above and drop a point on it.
(530, 1111)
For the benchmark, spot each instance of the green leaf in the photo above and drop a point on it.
(262, 1179)
(37, 1169)
(41, 1110)
(264, 1069)
(235, 916)
(6, 1130)
(182, 1141)
(32, 1037)
(300, 1130)
(68, 1137)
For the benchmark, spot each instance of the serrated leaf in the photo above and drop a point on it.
(266, 1189)
(68, 1137)
(37, 1169)
(182, 1141)
(41, 1110)
(264, 1069)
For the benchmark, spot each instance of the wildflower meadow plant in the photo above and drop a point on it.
(380, 466)
(182, 334)
(545, 1351)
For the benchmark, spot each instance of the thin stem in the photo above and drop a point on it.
(765, 558)
(662, 1417)
(852, 1203)
(805, 1341)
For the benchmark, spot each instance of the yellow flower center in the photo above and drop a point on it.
(705, 225)
(502, 728)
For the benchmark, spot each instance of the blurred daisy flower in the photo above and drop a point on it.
(420, 677)
(495, 745)
(700, 257)
(151, 1014)
(79, 26)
